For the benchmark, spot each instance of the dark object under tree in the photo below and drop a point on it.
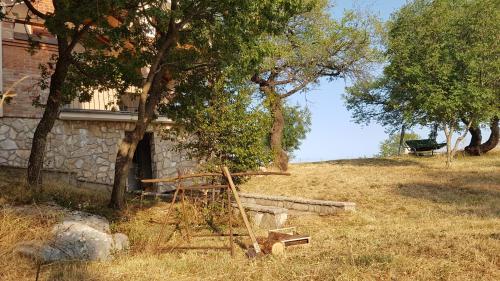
(424, 145)
(475, 147)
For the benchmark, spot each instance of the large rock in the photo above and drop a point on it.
(80, 236)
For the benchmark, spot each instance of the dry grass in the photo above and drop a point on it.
(416, 220)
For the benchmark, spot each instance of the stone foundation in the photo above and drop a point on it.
(266, 217)
(297, 203)
(86, 149)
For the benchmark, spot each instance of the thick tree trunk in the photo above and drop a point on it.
(280, 155)
(129, 143)
(157, 86)
(474, 147)
(50, 114)
(493, 140)
(124, 158)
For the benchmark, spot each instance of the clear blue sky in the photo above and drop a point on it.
(333, 134)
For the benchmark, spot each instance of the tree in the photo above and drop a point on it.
(313, 46)
(70, 22)
(220, 126)
(453, 71)
(189, 39)
(442, 66)
(391, 146)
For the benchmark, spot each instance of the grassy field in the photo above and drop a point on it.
(415, 220)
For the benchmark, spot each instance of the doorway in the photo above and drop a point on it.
(141, 167)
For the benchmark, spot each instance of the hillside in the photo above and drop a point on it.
(415, 220)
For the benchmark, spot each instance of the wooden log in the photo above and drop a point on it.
(278, 249)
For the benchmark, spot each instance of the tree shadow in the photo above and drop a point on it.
(374, 162)
(75, 270)
(468, 200)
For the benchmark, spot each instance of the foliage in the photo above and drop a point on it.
(443, 66)
(390, 146)
(314, 46)
(370, 100)
(225, 128)
(297, 125)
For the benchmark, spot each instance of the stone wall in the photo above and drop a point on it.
(86, 148)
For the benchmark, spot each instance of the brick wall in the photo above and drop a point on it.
(17, 62)
(44, 6)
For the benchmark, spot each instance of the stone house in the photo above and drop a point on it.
(85, 138)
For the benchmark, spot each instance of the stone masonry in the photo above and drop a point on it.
(85, 148)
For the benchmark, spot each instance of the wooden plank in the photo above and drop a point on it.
(296, 240)
(260, 174)
(196, 248)
(201, 175)
(242, 210)
(182, 177)
(230, 213)
(201, 187)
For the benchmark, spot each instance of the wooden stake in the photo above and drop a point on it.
(162, 229)
(184, 213)
(242, 210)
(231, 243)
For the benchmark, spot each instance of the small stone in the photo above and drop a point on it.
(79, 163)
(120, 242)
(4, 129)
(8, 144)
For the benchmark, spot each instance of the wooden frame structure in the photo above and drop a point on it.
(231, 190)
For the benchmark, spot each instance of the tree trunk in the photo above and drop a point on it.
(401, 139)
(129, 143)
(50, 114)
(448, 131)
(474, 147)
(157, 85)
(493, 140)
(124, 157)
(280, 155)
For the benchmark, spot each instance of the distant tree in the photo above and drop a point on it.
(391, 146)
(314, 46)
(443, 67)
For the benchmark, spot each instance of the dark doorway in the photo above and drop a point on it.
(141, 167)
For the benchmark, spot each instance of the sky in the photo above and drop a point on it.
(333, 133)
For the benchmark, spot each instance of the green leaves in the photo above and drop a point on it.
(222, 127)
(443, 64)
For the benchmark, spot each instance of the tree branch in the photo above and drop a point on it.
(76, 38)
(34, 10)
(296, 89)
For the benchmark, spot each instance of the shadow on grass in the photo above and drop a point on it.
(74, 271)
(14, 191)
(468, 201)
(375, 162)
